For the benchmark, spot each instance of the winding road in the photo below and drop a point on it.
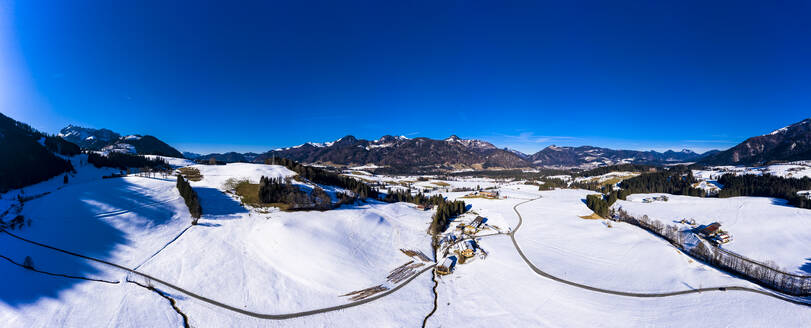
(631, 294)
(426, 269)
(226, 306)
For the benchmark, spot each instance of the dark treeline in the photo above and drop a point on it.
(325, 177)
(551, 184)
(599, 204)
(123, 161)
(763, 274)
(587, 185)
(25, 160)
(278, 190)
(677, 180)
(190, 197)
(445, 210)
(766, 186)
(412, 170)
(61, 146)
(513, 174)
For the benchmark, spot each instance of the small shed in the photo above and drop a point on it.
(477, 222)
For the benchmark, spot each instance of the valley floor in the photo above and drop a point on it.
(278, 263)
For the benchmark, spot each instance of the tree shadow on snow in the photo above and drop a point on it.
(217, 203)
(91, 219)
(807, 266)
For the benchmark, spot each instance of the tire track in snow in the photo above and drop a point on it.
(226, 306)
(58, 274)
(633, 294)
(119, 212)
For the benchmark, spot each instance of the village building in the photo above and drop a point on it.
(477, 222)
(470, 249)
(447, 266)
(489, 194)
(710, 230)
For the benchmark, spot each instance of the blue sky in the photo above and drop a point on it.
(255, 76)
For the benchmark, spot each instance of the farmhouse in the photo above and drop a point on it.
(447, 266)
(470, 249)
(489, 194)
(710, 230)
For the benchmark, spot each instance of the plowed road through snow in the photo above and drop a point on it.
(631, 294)
(388, 292)
(226, 306)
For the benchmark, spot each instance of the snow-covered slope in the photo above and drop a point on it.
(271, 263)
(762, 228)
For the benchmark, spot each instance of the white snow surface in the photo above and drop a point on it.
(280, 262)
(763, 229)
(797, 169)
(271, 263)
(502, 291)
(173, 161)
(214, 176)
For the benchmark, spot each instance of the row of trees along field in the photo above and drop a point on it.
(324, 177)
(766, 274)
(766, 186)
(190, 197)
(677, 180)
(615, 168)
(445, 209)
(551, 184)
(279, 190)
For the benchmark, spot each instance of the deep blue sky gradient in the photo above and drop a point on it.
(255, 76)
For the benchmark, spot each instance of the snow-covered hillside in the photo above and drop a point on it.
(272, 263)
(502, 290)
(763, 229)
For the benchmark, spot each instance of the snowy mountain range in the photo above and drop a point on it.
(789, 143)
(402, 152)
(455, 151)
(585, 156)
(107, 140)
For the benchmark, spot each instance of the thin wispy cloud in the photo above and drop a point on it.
(713, 141)
(530, 137)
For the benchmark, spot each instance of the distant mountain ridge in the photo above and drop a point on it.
(789, 143)
(104, 139)
(402, 152)
(585, 156)
(455, 152)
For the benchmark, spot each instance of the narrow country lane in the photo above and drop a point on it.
(632, 294)
(226, 306)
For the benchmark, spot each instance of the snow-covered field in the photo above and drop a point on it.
(502, 290)
(788, 170)
(284, 262)
(610, 176)
(763, 229)
(273, 263)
